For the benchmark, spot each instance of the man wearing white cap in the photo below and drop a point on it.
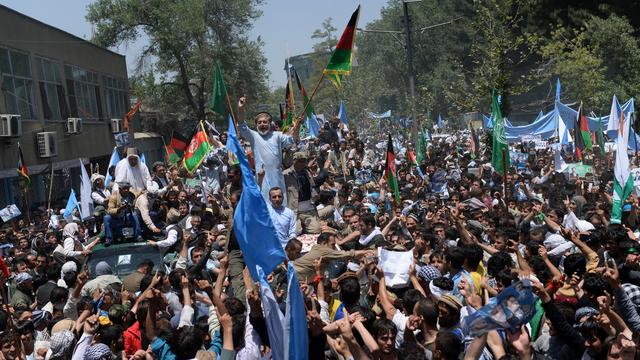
(133, 171)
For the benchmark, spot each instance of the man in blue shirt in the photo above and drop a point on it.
(284, 220)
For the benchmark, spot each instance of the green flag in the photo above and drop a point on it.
(218, 92)
(421, 154)
(500, 145)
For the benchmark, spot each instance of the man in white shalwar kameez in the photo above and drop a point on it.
(267, 146)
(133, 171)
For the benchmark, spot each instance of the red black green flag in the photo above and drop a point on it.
(341, 59)
(390, 169)
(22, 168)
(289, 106)
(178, 142)
(582, 135)
(197, 150)
(303, 92)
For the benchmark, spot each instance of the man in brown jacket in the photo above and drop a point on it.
(325, 249)
(120, 212)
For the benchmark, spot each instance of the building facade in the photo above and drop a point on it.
(48, 76)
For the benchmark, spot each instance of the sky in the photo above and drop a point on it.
(285, 26)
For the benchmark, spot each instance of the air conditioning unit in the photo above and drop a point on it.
(74, 125)
(10, 125)
(47, 145)
(116, 125)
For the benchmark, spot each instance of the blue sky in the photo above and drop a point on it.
(285, 26)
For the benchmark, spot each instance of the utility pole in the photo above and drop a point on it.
(411, 73)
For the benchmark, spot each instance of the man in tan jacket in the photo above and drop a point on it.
(121, 211)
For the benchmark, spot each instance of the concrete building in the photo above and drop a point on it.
(47, 76)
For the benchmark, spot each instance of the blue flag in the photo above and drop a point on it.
(72, 204)
(342, 113)
(558, 90)
(143, 159)
(295, 328)
(252, 224)
(313, 126)
(115, 157)
(439, 121)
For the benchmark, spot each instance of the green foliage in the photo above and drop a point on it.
(185, 39)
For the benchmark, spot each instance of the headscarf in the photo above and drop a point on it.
(62, 343)
(103, 268)
(98, 351)
(70, 230)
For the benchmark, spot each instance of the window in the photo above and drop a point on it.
(17, 85)
(116, 97)
(84, 93)
(54, 101)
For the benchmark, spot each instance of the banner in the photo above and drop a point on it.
(386, 114)
(123, 139)
(10, 212)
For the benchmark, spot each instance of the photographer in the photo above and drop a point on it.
(121, 212)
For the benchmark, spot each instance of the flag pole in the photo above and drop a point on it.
(504, 173)
(233, 116)
(50, 187)
(306, 105)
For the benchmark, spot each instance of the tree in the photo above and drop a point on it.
(498, 47)
(325, 36)
(184, 40)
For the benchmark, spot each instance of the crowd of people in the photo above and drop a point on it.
(478, 241)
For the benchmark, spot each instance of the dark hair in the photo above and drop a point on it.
(443, 283)
(498, 261)
(53, 271)
(429, 312)
(410, 298)
(189, 340)
(368, 219)
(234, 306)
(384, 326)
(456, 257)
(274, 189)
(110, 334)
(25, 327)
(349, 291)
(595, 284)
(506, 277)
(323, 238)
(473, 253)
(59, 294)
(449, 345)
(575, 264)
(291, 243)
(156, 165)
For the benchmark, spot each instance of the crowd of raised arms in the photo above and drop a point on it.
(459, 262)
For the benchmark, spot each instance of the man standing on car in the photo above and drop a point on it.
(120, 212)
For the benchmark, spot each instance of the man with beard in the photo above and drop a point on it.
(132, 171)
(267, 146)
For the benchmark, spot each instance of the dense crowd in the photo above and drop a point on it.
(478, 243)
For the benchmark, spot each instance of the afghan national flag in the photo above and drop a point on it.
(171, 156)
(178, 142)
(622, 179)
(305, 97)
(583, 138)
(22, 168)
(390, 169)
(131, 114)
(340, 62)
(473, 141)
(218, 92)
(500, 146)
(289, 106)
(196, 151)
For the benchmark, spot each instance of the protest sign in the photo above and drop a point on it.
(10, 212)
(395, 265)
(512, 308)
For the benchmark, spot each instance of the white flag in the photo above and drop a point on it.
(86, 203)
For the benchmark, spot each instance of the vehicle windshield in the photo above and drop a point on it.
(124, 260)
